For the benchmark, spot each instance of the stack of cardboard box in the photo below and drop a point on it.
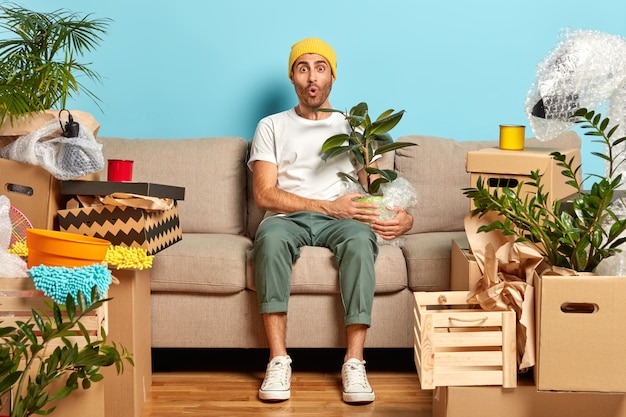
(580, 368)
(43, 200)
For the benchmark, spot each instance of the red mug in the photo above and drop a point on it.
(120, 170)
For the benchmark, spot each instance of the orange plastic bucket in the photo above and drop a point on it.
(54, 248)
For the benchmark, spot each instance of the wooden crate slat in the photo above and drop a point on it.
(468, 359)
(466, 318)
(460, 339)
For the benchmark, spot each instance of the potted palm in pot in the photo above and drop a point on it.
(367, 140)
(39, 67)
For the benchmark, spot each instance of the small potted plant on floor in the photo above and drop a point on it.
(577, 234)
(30, 364)
(367, 140)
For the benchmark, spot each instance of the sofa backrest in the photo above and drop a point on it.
(212, 170)
(437, 170)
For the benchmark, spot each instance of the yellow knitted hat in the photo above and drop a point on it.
(313, 46)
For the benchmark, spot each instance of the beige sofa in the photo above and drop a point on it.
(203, 286)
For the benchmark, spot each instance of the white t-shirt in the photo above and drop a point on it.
(294, 145)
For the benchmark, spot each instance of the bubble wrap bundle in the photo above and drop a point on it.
(65, 158)
(11, 265)
(586, 69)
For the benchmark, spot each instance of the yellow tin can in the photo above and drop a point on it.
(512, 137)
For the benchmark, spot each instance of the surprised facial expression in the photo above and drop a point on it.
(313, 80)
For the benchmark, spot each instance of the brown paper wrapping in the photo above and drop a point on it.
(507, 282)
(128, 200)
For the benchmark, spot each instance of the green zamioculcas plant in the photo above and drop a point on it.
(39, 67)
(577, 233)
(366, 141)
(29, 365)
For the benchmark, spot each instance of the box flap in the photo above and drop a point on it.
(498, 161)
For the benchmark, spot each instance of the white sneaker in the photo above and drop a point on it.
(277, 383)
(356, 388)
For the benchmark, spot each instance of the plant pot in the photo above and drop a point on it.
(385, 214)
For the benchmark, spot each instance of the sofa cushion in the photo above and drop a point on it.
(428, 260)
(315, 271)
(212, 171)
(202, 263)
(437, 170)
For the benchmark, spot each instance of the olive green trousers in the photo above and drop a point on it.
(277, 246)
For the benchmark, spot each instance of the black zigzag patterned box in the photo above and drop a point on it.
(125, 226)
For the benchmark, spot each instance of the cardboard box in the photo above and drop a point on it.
(33, 191)
(581, 336)
(464, 270)
(502, 168)
(125, 226)
(460, 344)
(109, 187)
(18, 297)
(524, 401)
(129, 325)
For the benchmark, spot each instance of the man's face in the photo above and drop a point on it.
(313, 79)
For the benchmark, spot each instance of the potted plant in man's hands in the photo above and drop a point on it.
(366, 141)
(577, 235)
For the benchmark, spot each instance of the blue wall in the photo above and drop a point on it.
(190, 68)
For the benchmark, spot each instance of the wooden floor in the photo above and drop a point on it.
(207, 383)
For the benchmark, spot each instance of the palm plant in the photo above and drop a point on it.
(577, 234)
(38, 66)
(367, 139)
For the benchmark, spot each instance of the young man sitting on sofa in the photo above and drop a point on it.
(291, 181)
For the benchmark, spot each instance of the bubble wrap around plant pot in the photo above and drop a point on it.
(399, 193)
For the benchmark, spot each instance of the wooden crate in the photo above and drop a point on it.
(18, 296)
(457, 344)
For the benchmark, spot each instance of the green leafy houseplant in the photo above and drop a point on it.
(366, 141)
(29, 365)
(38, 67)
(578, 234)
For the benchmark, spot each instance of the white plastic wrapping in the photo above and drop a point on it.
(11, 265)
(65, 158)
(586, 69)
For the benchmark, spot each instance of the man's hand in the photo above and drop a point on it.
(346, 207)
(391, 229)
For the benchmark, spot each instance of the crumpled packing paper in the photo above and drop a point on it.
(507, 282)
